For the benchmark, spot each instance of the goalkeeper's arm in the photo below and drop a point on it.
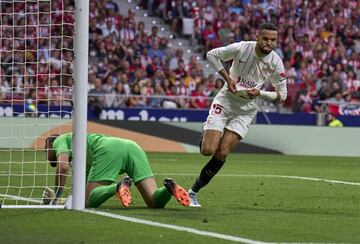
(62, 169)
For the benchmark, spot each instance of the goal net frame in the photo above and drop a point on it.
(76, 190)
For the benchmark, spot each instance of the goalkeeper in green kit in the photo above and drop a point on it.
(106, 158)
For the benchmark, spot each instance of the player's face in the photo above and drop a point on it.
(267, 40)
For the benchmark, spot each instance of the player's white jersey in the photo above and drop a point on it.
(249, 70)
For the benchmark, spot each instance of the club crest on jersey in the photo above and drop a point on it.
(246, 83)
(266, 68)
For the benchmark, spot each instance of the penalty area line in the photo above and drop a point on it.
(175, 227)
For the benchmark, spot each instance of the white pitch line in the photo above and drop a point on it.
(272, 176)
(157, 224)
(20, 198)
(165, 159)
(175, 227)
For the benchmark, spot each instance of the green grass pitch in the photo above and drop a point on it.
(250, 198)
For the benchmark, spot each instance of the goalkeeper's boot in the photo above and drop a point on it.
(193, 200)
(181, 195)
(123, 191)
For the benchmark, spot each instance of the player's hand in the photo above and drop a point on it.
(54, 202)
(47, 195)
(231, 85)
(253, 93)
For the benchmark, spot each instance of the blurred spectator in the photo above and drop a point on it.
(218, 85)
(155, 51)
(121, 51)
(136, 100)
(174, 61)
(96, 98)
(224, 33)
(119, 96)
(153, 37)
(97, 93)
(126, 32)
(332, 121)
(336, 99)
(324, 91)
(180, 71)
(158, 97)
(179, 11)
(351, 83)
(200, 100)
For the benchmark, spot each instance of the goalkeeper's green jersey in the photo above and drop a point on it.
(107, 157)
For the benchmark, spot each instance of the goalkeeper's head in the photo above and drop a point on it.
(50, 152)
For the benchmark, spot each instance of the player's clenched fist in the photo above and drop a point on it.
(253, 93)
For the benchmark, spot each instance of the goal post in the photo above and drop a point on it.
(43, 91)
(80, 103)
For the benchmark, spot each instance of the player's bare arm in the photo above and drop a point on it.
(62, 169)
(230, 82)
(253, 93)
(216, 55)
(270, 96)
(278, 97)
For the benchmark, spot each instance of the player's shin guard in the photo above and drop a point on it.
(207, 173)
(100, 194)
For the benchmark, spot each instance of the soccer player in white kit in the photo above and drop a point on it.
(235, 106)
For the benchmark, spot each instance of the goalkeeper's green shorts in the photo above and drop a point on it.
(113, 156)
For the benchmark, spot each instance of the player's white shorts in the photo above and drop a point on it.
(230, 112)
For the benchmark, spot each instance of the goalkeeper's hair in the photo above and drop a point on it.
(50, 139)
(49, 145)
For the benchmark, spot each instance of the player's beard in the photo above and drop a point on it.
(266, 49)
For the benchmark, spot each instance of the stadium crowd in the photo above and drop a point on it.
(319, 43)
(36, 51)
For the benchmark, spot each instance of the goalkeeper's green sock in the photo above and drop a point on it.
(161, 197)
(100, 194)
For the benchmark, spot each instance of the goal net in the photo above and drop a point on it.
(36, 77)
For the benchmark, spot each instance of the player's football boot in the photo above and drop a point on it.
(123, 191)
(181, 195)
(193, 200)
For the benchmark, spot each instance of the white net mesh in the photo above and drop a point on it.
(36, 77)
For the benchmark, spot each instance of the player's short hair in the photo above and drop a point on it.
(51, 139)
(49, 142)
(268, 26)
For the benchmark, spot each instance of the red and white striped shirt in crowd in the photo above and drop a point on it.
(127, 33)
(115, 20)
(43, 31)
(290, 75)
(153, 39)
(200, 23)
(352, 85)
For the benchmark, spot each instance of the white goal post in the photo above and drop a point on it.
(43, 91)
(80, 103)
